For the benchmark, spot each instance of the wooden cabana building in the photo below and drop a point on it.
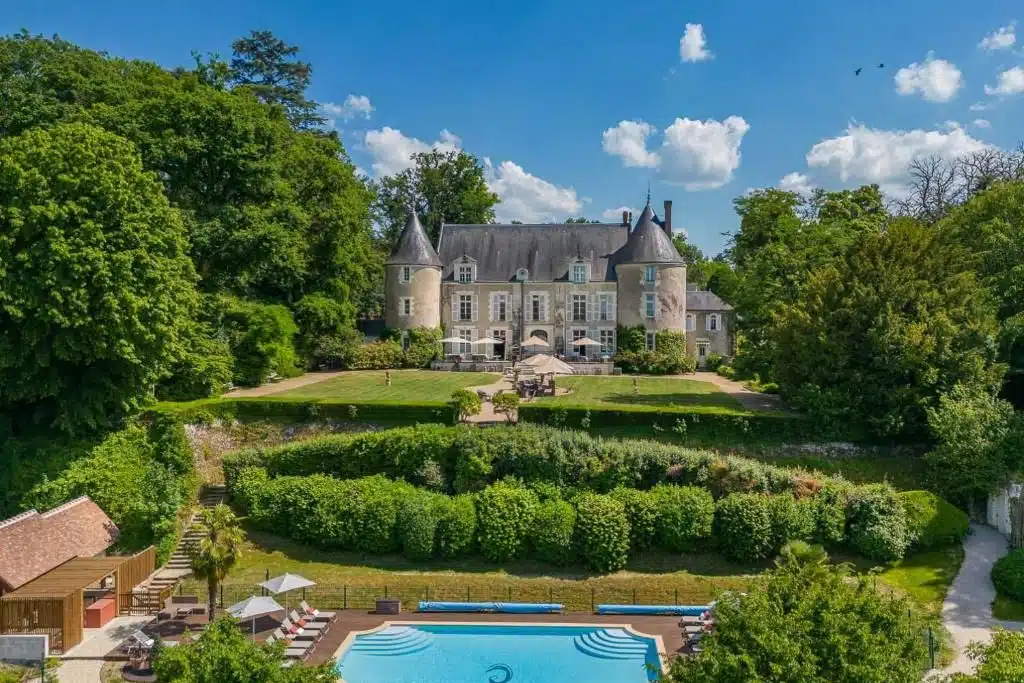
(55, 603)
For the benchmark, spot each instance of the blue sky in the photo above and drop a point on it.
(541, 89)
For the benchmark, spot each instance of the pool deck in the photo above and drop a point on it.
(348, 621)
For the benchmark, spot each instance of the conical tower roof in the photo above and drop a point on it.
(648, 242)
(413, 247)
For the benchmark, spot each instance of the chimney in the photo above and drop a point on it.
(625, 217)
(668, 218)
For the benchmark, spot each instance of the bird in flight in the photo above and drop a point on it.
(881, 66)
(857, 72)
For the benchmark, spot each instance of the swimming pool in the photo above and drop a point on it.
(431, 652)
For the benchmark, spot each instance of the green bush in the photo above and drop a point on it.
(792, 520)
(830, 513)
(378, 355)
(466, 403)
(714, 361)
(417, 525)
(553, 528)
(642, 513)
(424, 346)
(505, 513)
(301, 410)
(932, 522)
(685, 516)
(877, 522)
(260, 336)
(205, 368)
(602, 532)
(1008, 575)
(336, 350)
(743, 526)
(456, 526)
(320, 317)
(726, 371)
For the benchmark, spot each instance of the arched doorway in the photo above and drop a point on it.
(539, 334)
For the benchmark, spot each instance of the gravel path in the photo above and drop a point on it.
(751, 400)
(967, 609)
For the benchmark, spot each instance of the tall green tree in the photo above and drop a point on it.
(96, 288)
(876, 337)
(217, 550)
(809, 622)
(269, 68)
(224, 654)
(1000, 661)
(444, 186)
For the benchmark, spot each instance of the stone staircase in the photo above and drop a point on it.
(179, 565)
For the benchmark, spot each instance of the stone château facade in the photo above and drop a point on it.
(558, 282)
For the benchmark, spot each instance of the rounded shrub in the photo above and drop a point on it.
(685, 516)
(417, 526)
(932, 521)
(792, 519)
(456, 526)
(877, 522)
(642, 513)
(375, 514)
(602, 532)
(505, 514)
(553, 527)
(1008, 575)
(830, 513)
(743, 526)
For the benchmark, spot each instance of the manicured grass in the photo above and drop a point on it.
(351, 579)
(655, 393)
(925, 577)
(369, 386)
(1007, 609)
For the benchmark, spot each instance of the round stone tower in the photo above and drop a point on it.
(412, 288)
(651, 278)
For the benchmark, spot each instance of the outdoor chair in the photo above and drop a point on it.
(315, 614)
(292, 650)
(289, 631)
(307, 624)
(180, 606)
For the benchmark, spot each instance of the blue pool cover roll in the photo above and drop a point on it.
(509, 607)
(677, 610)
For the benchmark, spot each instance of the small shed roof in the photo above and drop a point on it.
(73, 575)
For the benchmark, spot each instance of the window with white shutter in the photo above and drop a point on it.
(650, 307)
(475, 306)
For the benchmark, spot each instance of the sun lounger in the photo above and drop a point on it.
(315, 614)
(308, 624)
(292, 650)
(290, 631)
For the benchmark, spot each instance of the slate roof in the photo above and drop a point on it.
(648, 242)
(703, 300)
(32, 544)
(545, 250)
(413, 247)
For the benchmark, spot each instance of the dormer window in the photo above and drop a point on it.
(522, 274)
(464, 272)
(579, 272)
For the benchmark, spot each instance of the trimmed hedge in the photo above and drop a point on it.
(685, 515)
(743, 526)
(553, 528)
(932, 521)
(456, 526)
(877, 523)
(300, 410)
(602, 532)
(505, 514)
(642, 513)
(1008, 575)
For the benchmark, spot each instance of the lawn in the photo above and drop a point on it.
(654, 393)
(1007, 609)
(407, 386)
(925, 576)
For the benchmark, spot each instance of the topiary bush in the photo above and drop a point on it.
(933, 522)
(602, 532)
(791, 519)
(456, 526)
(642, 512)
(877, 522)
(505, 513)
(417, 525)
(830, 513)
(743, 526)
(553, 528)
(685, 516)
(1008, 574)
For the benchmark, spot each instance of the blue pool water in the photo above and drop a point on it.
(487, 653)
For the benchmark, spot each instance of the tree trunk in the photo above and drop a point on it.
(211, 586)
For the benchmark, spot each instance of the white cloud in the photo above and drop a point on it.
(702, 155)
(1001, 39)
(869, 155)
(1011, 82)
(693, 44)
(796, 182)
(628, 140)
(699, 155)
(615, 215)
(982, 123)
(354, 106)
(935, 79)
(527, 198)
(392, 150)
(979, 106)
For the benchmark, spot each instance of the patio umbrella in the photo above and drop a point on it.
(535, 341)
(253, 607)
(544, 364)
(454, 340)
(586, 341)
(286, 582)
(487, 340)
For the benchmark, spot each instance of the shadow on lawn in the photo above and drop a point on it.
(668, 400)
(651, 562)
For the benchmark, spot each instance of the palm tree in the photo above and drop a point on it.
(218, 549)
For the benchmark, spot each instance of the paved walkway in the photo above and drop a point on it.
(284, 385)
(83, 662)
(751, 400)
(967, 609)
